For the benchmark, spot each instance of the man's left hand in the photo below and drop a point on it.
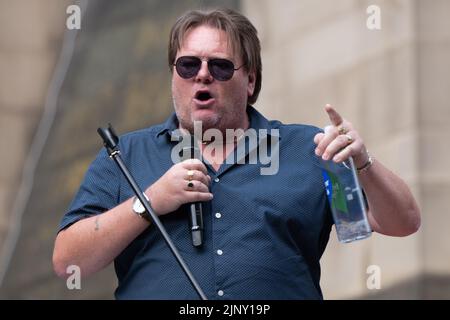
(340, 141)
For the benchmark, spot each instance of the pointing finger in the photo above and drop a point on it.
(335, 117)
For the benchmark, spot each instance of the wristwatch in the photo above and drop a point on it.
(139, 208)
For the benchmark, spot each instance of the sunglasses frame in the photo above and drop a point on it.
(210, 69)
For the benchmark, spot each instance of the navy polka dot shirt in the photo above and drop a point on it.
(263, 234)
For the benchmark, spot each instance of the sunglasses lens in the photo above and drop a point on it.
(221, 69)
(187, 67)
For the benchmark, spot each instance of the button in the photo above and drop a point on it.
(218, 215)
(220, 293)
(216, 180)
(219, 252)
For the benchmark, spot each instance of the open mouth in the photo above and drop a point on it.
(203, 96)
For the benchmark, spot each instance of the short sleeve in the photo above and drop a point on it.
(98, 192)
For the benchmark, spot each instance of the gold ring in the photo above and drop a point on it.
(349, 138)
(342, 130)
(190, 174)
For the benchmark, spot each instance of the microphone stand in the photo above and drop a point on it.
(110, 141)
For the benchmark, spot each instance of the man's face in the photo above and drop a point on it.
(218, 104)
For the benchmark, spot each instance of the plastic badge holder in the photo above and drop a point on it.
(346, 200)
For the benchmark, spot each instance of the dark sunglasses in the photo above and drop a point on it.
(221, 69)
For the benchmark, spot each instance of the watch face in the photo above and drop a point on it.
(137, 206)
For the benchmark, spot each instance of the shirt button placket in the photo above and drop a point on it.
(218, 252)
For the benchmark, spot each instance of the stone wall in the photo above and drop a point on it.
(118, 74)
(393, 84)
(29, 50)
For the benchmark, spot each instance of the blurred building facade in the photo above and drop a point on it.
(393, 84)
(30, 43)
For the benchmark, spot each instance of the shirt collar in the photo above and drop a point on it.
(170, 125)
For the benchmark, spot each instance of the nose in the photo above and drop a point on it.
(203, 74)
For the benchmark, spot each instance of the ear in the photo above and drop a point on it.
(251, 83)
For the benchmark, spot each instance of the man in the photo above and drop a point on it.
(264, 234)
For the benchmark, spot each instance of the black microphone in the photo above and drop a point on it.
(195, 208)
